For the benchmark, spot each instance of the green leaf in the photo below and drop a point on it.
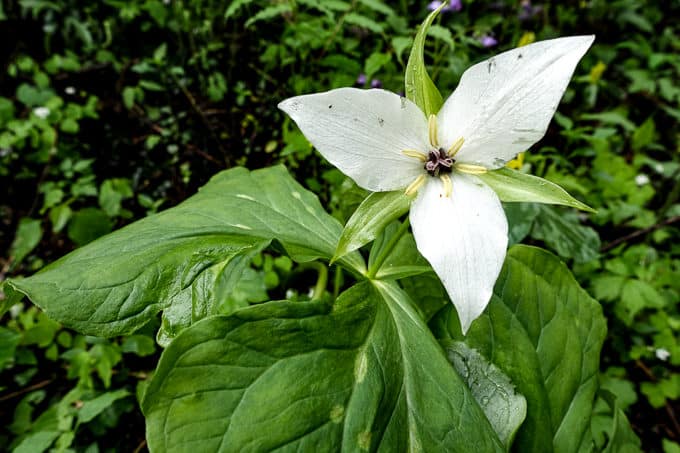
(375, 62)
(512, 185)
(611, 427)
(362, 374)
(545, 333)
(494, 392)
(90, 409)
(27, 237)
(644, 135)
(562, 231)
(184, 259)
(521, 218)
(268, 13)
(88, 224)
(370, 218)
(9, 340)
(419, 87)
(403, 258)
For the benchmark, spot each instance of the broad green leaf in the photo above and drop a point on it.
(521, 218)
(512, 185)
(494, 392)
(418, 85)
(427, 293)
(562, 232)
(362, 374)
(402, 257)
(545, 333)
(370, 218)
(185, 258)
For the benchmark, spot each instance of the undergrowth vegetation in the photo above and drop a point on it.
(114, 110)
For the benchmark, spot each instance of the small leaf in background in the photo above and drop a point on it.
(644, 135)
(375, 62)
(26, 238)
(493, 390)
(88, 224)
(612, 432)
(141, 345)
(91, 408)
(418, 85)
(59, 217)
(111, 193)
(562, 232)
(9, 340)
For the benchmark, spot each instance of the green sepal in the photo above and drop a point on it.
(512, 185)
(370, 219)
(418, 85)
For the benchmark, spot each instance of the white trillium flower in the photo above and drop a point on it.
(384, 142)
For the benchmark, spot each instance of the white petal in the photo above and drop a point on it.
(464, 237)
(503, 105)
(363, 133)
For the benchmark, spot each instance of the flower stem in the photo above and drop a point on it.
(385, 252)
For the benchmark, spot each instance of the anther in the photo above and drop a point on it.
(432, 130)
(413, 153)
(470, 169)
(448, 185)
(415, 185)
(457, 145)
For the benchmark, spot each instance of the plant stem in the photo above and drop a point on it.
(321, 281)
(337, 281)
(385, 252)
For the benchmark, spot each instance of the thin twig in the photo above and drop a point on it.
(638, 233)
(37, 386)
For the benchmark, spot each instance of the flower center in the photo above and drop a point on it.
(439, 162)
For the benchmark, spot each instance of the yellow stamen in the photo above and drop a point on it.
(415, 185)
(413, 153)
(457, 145)
(470, 169)
(448, 186)
(432, 131)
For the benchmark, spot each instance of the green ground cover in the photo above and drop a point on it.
(113, 110)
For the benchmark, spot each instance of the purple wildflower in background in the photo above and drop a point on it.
(454, 5)
(488, 41)
(528, 11)
(361, 79)
(375, 83)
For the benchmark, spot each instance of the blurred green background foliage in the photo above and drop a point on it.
(112, 110)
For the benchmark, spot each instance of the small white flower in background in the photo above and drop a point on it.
(662, 354)
(70, 90)
(384, 142)
(641, 179)
(41, 112)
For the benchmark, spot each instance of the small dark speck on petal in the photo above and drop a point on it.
(381, 122)
(519, 55)
(330, 106)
